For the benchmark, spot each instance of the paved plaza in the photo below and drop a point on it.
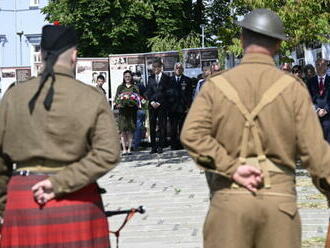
(175, 195)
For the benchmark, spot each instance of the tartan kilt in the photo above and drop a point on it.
(74, 221)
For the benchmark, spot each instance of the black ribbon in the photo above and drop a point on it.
(50, 58)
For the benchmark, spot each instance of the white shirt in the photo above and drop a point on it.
(158, 76)
(319, 79)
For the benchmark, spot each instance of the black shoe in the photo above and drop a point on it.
(160, 150)
(153, 151)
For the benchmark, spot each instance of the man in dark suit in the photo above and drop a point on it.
(180, 99)
(158, 85)
(319, 88)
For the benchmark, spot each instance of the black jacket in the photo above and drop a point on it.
(320, 101)
(158, 92)
(180, 94)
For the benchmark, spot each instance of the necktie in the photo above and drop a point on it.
(177, 79)
(157, 78)
(321, 86)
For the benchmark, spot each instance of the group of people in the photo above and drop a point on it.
(246, 127)
(169, 99)
(317, 80)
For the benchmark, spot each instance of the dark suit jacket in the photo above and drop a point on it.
(318, 100)
(180, 94)
(158, 92)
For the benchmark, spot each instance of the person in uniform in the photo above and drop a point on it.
(179, 99)
(60, 136)
(247, 126)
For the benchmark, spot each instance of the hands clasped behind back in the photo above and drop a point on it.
(249, 177)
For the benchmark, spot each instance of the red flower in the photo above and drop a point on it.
(57, 23)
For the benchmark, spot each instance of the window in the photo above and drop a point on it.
(34, 3)
(36, 48)
(36, 54)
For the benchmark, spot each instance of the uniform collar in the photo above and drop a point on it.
(58, 69)
(257, 58)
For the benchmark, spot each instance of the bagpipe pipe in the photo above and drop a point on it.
(140, 210)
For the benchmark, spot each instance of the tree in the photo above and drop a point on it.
(178, 24)
(171, 43)
(304, 20)
(221, 28)
(105, 26)
(127, 26)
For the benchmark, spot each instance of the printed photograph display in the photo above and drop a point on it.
(88, 69)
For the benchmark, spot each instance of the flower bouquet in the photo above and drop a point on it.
(128, 100)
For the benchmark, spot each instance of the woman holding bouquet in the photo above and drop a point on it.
(127, 101)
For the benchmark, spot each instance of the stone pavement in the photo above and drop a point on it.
(174, 193)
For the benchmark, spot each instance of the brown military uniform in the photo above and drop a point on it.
(287, 127)
(78, 137)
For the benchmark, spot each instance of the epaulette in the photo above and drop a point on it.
(11, 86)
(26, 80)
(20, 82)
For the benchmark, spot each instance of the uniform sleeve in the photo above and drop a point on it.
(102, 157)
(312, 148)
(197, 137)
(5, 168)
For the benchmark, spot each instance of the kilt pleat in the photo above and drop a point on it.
(75, 221)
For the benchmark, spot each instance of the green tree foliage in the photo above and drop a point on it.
(105, 26)
(304, 20)
(170, 42)
(221, 27)
(127, 26)
(177, 24)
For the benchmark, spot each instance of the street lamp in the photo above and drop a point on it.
(20, 46)
(202, 26)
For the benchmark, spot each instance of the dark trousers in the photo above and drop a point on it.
(176, 122)
(157, 116)
(139, 131)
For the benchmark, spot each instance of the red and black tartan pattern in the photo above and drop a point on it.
(75, 221)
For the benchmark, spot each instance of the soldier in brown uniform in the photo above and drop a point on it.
(247, 126)
(61, 137)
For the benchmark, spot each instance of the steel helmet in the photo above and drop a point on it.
(265, 22)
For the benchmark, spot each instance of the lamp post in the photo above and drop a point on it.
(20, 46)
(202, 26)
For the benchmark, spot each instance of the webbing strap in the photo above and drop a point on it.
(269, 96)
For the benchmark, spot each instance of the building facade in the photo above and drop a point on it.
(20, 33)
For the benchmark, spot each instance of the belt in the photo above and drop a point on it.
(50, 164)
(38, 167)
(31, 173)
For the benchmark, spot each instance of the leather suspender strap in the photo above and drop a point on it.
(269, 96)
